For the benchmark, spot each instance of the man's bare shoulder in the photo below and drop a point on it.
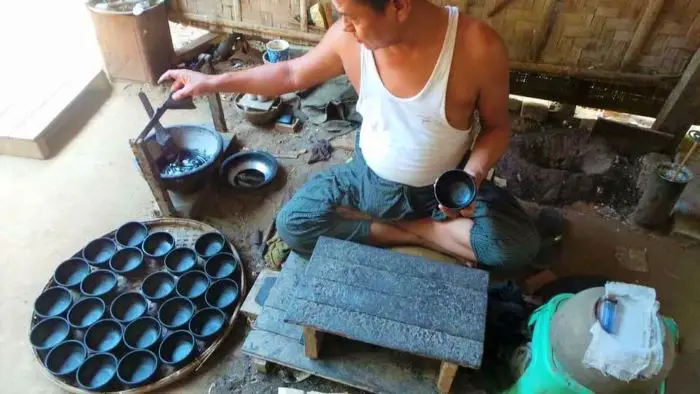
(480, 42)
(341, 41)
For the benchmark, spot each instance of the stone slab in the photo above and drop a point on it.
(329, 249)
(386, 333)
(443, 314)
(272, 320)
(387, 282)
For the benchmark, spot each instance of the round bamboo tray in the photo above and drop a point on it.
(186, 232)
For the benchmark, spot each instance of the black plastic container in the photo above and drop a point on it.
(127, 262)
(137, 368)
(86, 312)
(71, 272)
(100, 283)
(455, 189)
(176, 313)
(221, 266)
(54, 301)
(143, 333)
(180, 260)
(209, 244)
(131, 234)
(222, 294)
(192, 285)
(66, 358)
(98, 372)
(158, 286)
(177, 348)
(158, 244)
(207, 323)
(104, 336)
(48, 333)
(99, 251)
(128, 307)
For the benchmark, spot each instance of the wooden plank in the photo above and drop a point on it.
(304, 15)
(381, 280)
(237, 13)
(383, 259)
(446, 377)
(680, 111)
(619, 77)
(193, 48)
(386, 333)
(312, 342)
(446, 314)
(213, 23)
(355, 364)
(641, 33)
(37, 128)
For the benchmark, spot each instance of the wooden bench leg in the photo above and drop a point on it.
(312, 342)
(446, 377)
(261, 366)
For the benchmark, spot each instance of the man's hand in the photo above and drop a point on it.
(467, 212)
(187, 83)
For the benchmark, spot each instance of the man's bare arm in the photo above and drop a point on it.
(320, 64)
(492, 103)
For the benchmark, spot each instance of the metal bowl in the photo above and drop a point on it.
(258, 117)
(201, 139)
(248, 170)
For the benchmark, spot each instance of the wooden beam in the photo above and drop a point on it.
(619, 77)
(446, 377)
(646, 23)
(312, 342)
(237, 13)
(682, 107)
(539, 41)
(195, 47)
(227, 25)
(304, 15)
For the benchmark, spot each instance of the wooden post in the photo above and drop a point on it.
(214, 100)
(304, 15)
(149, 171)
(237, 13)
(682, 107)
(312, 342)
(651, 14)
(446, 377)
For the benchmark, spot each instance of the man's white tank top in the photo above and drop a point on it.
(408, 140)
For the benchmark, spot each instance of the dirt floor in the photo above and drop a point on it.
(50, 209)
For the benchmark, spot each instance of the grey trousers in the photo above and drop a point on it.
(502, 235)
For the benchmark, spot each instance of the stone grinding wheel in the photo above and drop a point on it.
(570, 338)
(186, 232)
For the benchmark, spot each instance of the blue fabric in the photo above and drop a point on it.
(502, 235)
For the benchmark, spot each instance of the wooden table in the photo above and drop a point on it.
(392, 300)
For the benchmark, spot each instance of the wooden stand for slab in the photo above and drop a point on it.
(313, 339)
(170, 203)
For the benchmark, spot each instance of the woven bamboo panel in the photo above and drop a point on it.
(577, 34)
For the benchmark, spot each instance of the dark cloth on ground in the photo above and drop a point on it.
(502, 234)
(321, 150)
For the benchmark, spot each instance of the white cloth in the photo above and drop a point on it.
(635, 347)
(409, 140)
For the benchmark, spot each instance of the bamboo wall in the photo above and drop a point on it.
(644, 37)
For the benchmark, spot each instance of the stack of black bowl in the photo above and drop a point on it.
(134, 306)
